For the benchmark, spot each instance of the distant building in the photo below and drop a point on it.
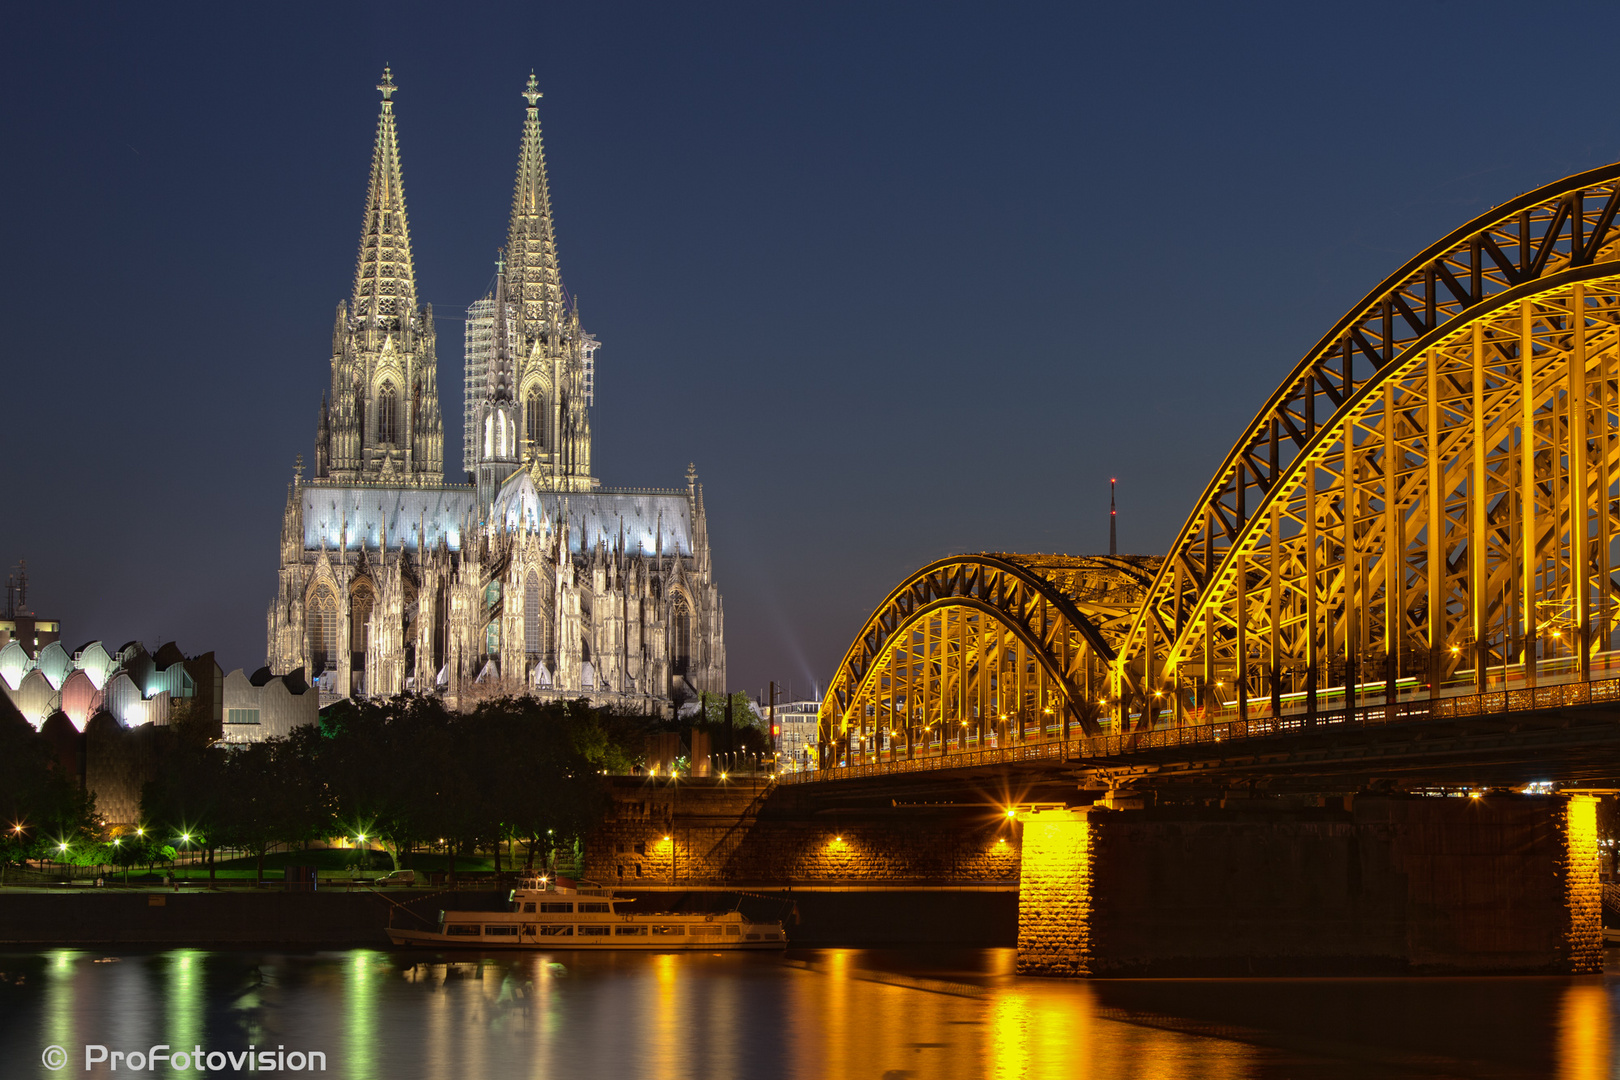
(796, 736)
(478, 357)
(29, 632)
(264, 706)
(18, 623)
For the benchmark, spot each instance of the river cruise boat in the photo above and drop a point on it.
(561, 915)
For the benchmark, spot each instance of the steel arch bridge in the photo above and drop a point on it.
(984, 650)
(1427, 507)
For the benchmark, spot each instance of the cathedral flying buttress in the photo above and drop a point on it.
(530, 578)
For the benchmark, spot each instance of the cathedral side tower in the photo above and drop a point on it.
(380, 420)
(555, 358)
(496, 425)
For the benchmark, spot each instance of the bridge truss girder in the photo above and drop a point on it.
(1404, 540)
(975, 641)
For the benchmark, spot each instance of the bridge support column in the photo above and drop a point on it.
(1502, 884)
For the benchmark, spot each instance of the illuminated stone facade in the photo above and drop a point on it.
(532, 578)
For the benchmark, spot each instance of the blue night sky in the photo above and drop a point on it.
(902, 280)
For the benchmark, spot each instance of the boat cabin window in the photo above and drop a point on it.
(669, 931)
(593, 931)
(528, 908)
(629, 931)
(462, 929)
(733, 929)
(501, 930)
(558, 908)
(586, 908)
(556, 931)
(706, 928)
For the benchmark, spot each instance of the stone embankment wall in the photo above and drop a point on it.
(736, 834)
(1397, 885)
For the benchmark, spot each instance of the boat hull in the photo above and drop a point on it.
(432, 940)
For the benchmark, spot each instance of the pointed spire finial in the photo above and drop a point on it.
(385, 279)
(534, 278)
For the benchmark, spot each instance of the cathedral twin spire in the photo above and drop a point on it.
(382, 422)
(534, 280)
(384, 277)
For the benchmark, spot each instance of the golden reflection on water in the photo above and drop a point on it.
(660, 1052)
(823, 1015)
(1585, 1048)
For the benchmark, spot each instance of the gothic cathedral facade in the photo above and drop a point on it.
(530, 578)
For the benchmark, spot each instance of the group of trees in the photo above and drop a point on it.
(406, 773)
(45, 812)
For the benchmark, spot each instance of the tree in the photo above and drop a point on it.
(186, 803)
(275, 795)
(41, 807)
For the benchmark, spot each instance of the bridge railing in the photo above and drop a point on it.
(1106, 746)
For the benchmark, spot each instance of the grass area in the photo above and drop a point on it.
(334, 862)
(328, 862)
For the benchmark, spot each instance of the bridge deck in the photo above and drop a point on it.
(1113, 751)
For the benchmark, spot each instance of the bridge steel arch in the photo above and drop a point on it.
(974, 650)
(1427, 503)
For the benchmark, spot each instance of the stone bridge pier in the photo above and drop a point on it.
(1386, 884)
(1383, 885)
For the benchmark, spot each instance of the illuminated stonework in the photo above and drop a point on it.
(1054, 894)
(532, 578)
(1582, 888)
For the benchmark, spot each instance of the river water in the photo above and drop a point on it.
(813, 1014)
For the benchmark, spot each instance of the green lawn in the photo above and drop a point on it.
(336, 863)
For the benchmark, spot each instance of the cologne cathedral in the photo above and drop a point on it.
(529, 578)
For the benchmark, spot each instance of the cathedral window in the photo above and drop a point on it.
(492, 639)
(361, 600)
(680, 632)
(531, 617)
(323, 626)
(534, 426)
(441, 626)
(387, 415)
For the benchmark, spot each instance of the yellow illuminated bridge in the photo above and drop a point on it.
(1419, 522)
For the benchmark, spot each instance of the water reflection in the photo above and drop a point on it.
(815, 1014)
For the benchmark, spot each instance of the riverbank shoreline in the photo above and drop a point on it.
(264, 918)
